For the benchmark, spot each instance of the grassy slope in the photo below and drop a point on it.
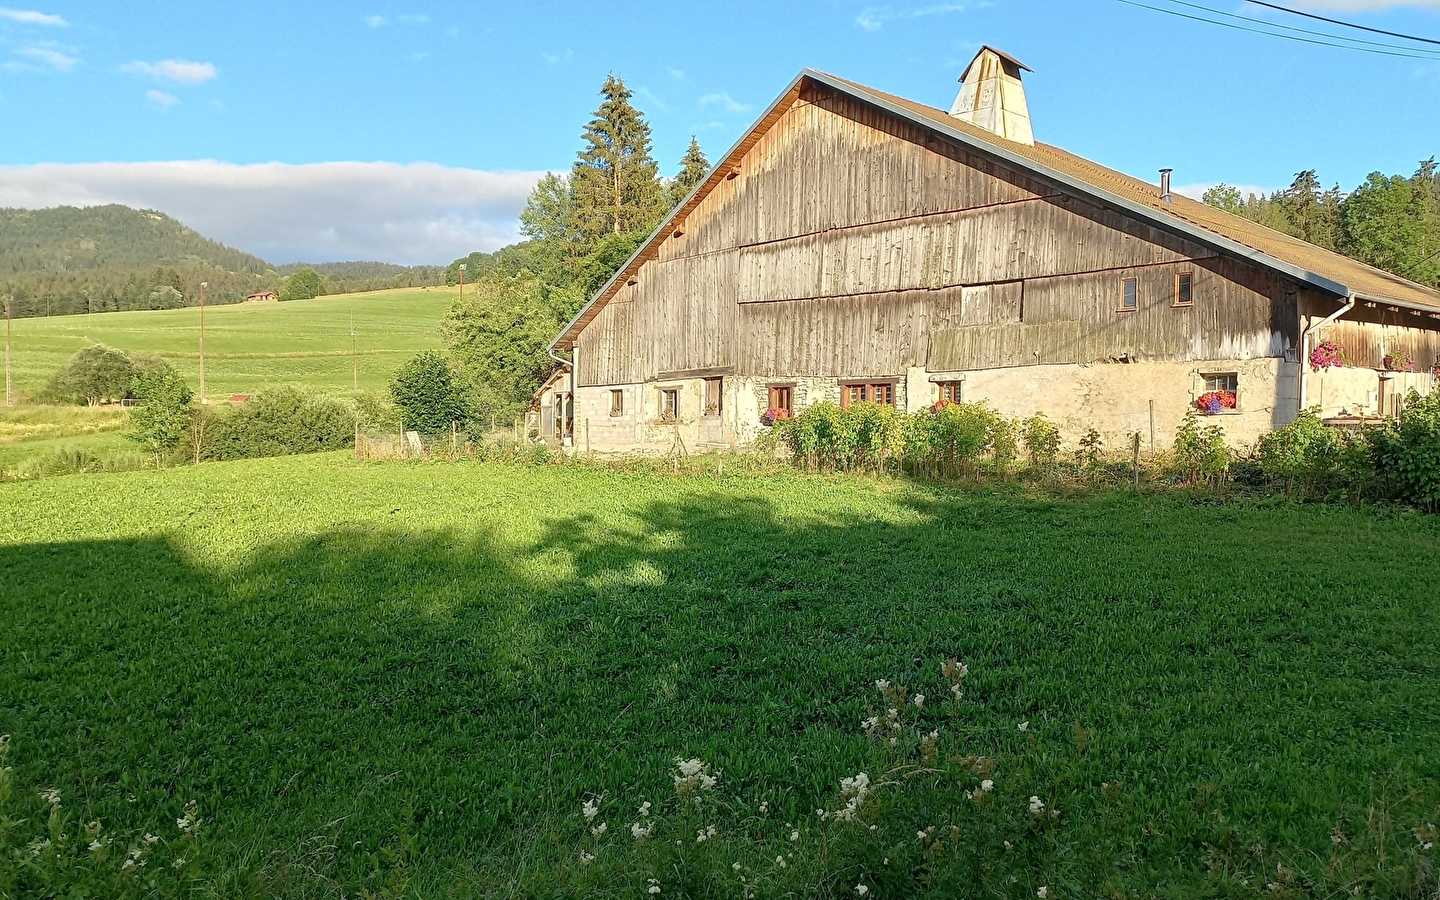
(294, 641)
(249, 346)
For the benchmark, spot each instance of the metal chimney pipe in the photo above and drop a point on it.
(1165, 184)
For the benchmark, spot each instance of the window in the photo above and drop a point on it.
(951, 391)
(1184, 289)
(617, 403)
(1222, 393)
(714, 396)
(669, 405)
(876, 392)
(781, 404)
(1129, 294)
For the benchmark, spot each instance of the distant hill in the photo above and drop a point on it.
(70, 260)
(70, 239)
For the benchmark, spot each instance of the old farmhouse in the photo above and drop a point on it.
(857, 246)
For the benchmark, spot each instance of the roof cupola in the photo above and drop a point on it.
(992, 96)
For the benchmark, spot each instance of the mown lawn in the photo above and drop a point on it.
(449, 657)
(251, 345)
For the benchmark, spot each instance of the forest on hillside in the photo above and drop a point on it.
(69, 260)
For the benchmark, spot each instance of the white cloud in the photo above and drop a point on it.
(49, 56)
(418, 213)
(677, 74)
(31, 17)
(374, 21)
(182, 70)
(873, 18)
(555, 59)
(725, 101)
(161, 99)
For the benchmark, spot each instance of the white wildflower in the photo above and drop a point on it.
(1024, 726)
(599, 830)
(150, 838)
(586, 858)
(1009, 846)
(1043, 892)
(735, 866)
(183, 823)
(705, 834)
(591, 809)
(780, 861)
(919, 700)
(178, 863)
(689, 767)
(795, 835)
(641, 833)
(861, 889)
(920, 835)
(934, 735)
(987, 785)
(764, 808)
(1037, 806)
(955, 690)
(645, 808)
(127, 864)
(654, 886)
(96, 845)
(51, 796)
(883, 685)
(854, 790)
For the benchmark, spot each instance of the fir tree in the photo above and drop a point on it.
(693, 169)
(615, 182)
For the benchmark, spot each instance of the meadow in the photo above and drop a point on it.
(407, 678)
(249, 346)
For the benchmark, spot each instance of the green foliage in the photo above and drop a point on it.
(162, 420)
(1304, 453)
(1200, 453)
(429, 399)
(305, 284)
(279, 421)
(499, 334)
(1392, 222)
(694, 166)
(95, 374)
(1042, 441)
(549, 213)
(1407, 452)
(394, 633)
(615, 182)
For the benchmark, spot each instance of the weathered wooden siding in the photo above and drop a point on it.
(850, 244)
(1367, 342)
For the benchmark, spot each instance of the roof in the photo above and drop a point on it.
(1315, 267)
(1000, 53)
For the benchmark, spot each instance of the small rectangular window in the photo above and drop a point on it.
(1222, 393)
(714, 396)
(1184, 289)
(951, 391)
(782, 399)
(1129, 294)
(877, 392)
(669, 405)
(617, 403)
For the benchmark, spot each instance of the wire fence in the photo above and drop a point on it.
(475, 441)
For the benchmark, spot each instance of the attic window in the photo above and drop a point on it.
(1129, 294)
(1184, 289)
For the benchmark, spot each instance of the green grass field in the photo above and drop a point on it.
(371, 667)
(250, 346)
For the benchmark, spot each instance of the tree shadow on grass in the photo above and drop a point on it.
(349, 682)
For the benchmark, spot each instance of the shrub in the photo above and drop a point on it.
(162, 420)
(1200, 453)
(1407, 452)
(1042, 441)
(95, 374)
(425, 390)
(279, 422)
(1305, 451)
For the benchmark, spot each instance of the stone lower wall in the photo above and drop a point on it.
(1116, 399)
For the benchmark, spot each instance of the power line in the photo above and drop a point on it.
(1417, 54)
(1324, 34)
(1296, 12)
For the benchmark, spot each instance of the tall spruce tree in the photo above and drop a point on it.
(615, 181)
(693, 169)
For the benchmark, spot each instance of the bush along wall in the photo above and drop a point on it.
(1398, 461)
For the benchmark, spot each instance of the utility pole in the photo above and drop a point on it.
(9, 393)
(462, 281)
(203, 398)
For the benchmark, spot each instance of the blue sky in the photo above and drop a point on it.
(249, 105)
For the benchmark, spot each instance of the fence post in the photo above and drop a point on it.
(1136, 442)
(454, 439)
(1152, 427)
(587, 435)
